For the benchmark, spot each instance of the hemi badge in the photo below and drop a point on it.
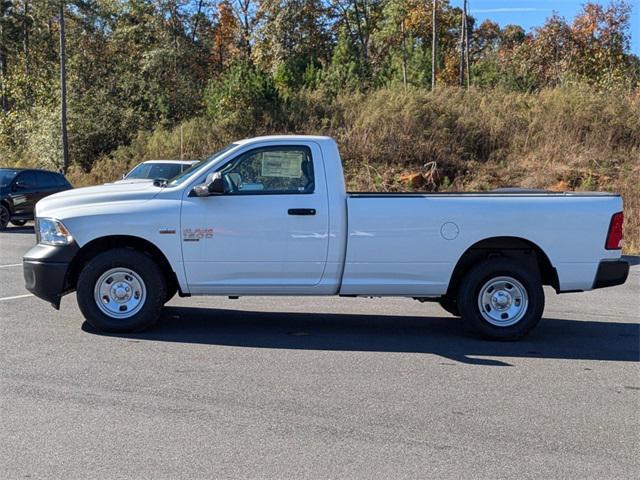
(167, 231)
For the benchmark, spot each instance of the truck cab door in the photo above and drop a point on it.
(267, 232)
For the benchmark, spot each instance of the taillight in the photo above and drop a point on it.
(614, 237)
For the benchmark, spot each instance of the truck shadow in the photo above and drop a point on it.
(446, 337)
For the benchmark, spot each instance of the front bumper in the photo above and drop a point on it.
(611, 273)
(46, 271)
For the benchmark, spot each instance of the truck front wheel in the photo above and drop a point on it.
(121, 290)
(170, 291)
(450, 306)
(501, 298)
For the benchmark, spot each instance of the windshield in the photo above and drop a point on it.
(6, 176)
(202, 165)
(156, 170)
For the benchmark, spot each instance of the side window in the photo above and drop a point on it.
(270, 170)
(28, 179)
(45, 179)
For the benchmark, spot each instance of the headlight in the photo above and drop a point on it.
(50, 231)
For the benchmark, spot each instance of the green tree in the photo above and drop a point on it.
(346, 71)
(242, 97)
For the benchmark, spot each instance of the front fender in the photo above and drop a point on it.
(157, 223)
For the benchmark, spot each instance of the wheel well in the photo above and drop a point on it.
(512, 247)
(103, 244)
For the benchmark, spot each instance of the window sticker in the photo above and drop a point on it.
(282, 164)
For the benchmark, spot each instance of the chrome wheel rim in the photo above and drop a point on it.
(503, 301)
(120, 293)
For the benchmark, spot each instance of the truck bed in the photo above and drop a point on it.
(413, 243)
(487, 193)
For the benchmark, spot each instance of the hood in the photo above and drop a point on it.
(66, 203)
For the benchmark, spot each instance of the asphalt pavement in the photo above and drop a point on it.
(295, 388)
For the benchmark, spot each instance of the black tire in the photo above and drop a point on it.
(5, 215)
(19, 223)
(141, 265)
(172, 289)
(479, 276)
(450, 305)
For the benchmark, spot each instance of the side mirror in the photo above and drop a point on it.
(216, 187)
(213, 186)
(201, 190)
(19, 186)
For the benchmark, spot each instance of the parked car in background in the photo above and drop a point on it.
(20, 189)
(158, 169)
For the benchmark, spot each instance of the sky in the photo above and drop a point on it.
(532, 13)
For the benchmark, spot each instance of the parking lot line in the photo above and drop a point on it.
(16, 297)
(12, 265)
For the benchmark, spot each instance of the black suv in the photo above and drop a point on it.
(20, 189)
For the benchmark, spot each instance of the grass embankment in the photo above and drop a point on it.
(570, 138)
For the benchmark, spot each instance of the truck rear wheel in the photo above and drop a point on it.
(121, 290)
(501, 299)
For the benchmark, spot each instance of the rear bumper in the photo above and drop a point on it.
(45, 270)
(611, 273)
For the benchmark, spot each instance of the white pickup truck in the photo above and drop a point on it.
(270, 216)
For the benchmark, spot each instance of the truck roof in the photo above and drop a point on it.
(317, 138)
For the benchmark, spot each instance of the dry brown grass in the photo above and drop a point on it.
(572, 138)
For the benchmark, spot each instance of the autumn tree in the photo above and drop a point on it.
(600, 40)
(135, 66)
(291, 36)
(226, 37)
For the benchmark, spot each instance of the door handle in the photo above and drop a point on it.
(302, 211)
